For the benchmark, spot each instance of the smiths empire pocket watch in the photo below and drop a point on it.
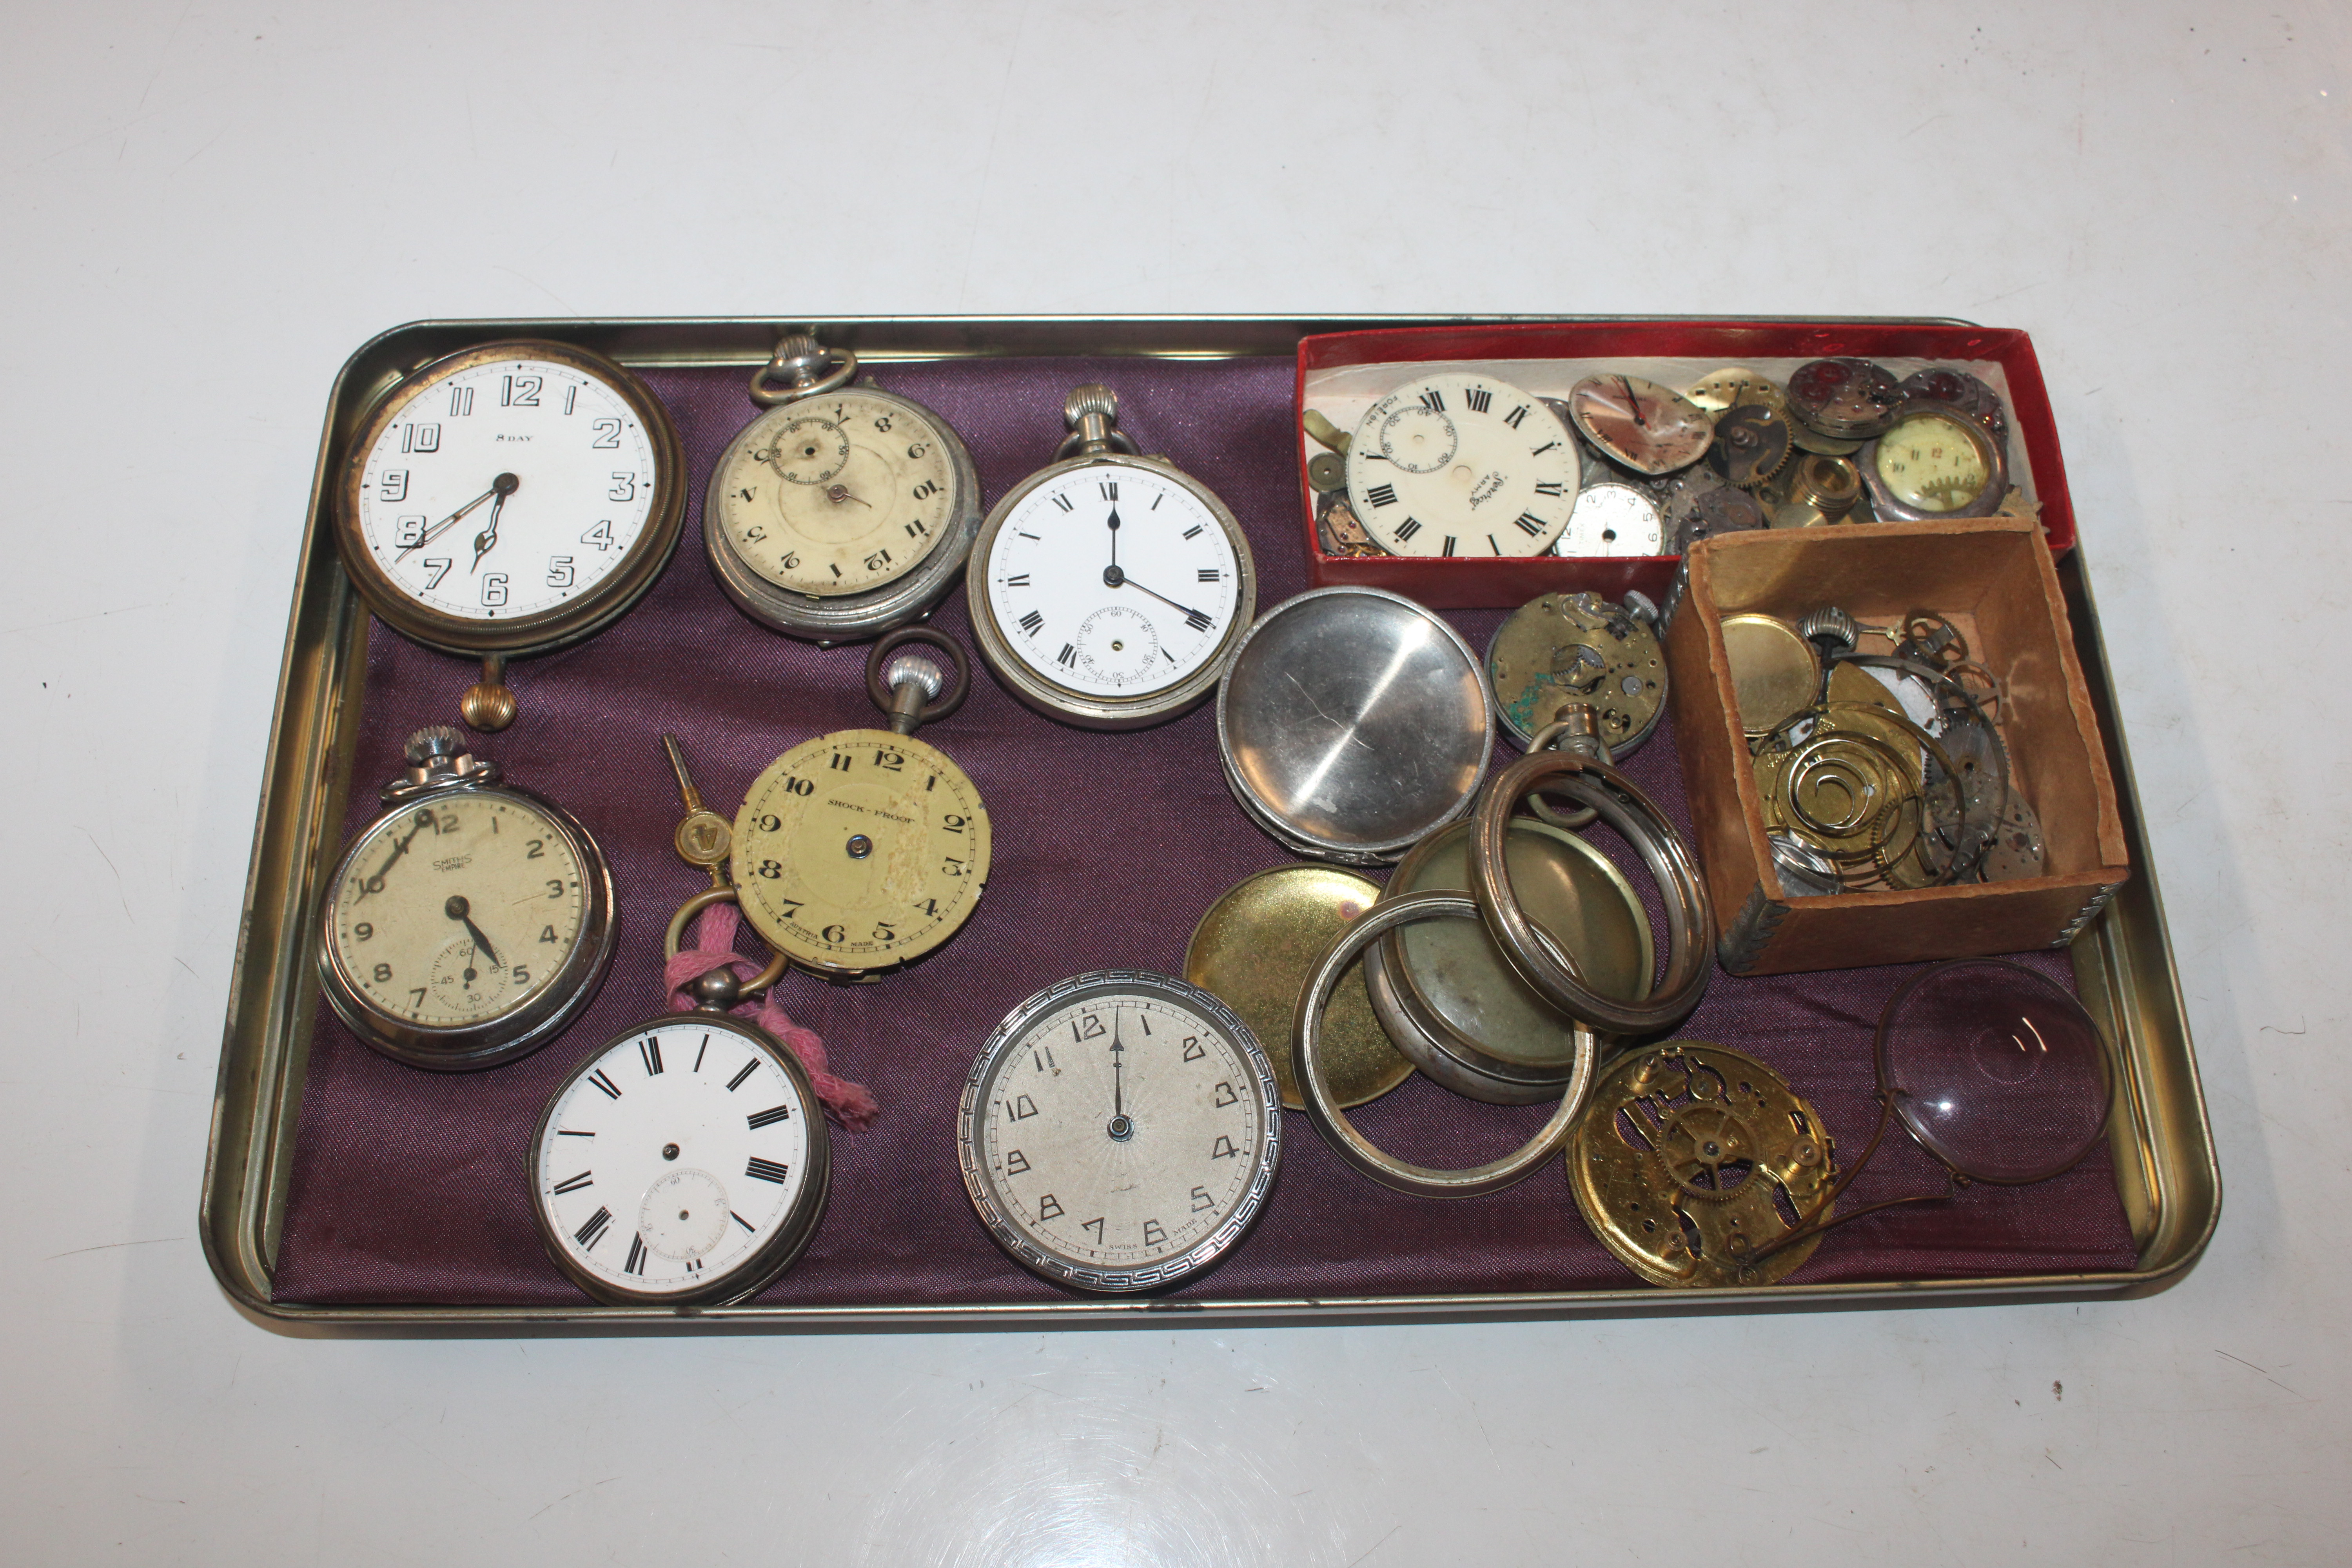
(507, 500)
(1119, 1131)
(861, 851)
(1461, 464)
(470, 922)
(843, 511)
(1106, 589)
(684, 1163)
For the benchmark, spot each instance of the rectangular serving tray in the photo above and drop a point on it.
(2161, 1144)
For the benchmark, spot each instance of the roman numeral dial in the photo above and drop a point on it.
(706, 1174)
(1456, 456)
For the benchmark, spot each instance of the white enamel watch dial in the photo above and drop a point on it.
(843, 511)
(467, 925)
(1613, 519)
(1106, 590)
(510, 498)
(686, 1162)
(1120, 1130)
(1461, 464)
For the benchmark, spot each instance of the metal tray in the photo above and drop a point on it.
(2162, 1145)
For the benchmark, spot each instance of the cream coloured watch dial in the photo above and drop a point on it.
(837, 493)
(458, 909)
(1461, 464)
(506, 489)
(1612, 518)
(1928, 462)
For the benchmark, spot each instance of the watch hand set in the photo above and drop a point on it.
(1121, 1130)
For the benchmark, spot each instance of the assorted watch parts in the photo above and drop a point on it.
(1694, 1159)
(507, 500)
(1751, 446)
(1352, 722)
(1564, 648)
(842, 511)
(686, 1163)
(1845, 399)
(1257, 944)
(468, 924)
(1461, 464)
(1107, 589)
(861, 851)
(1119, 1131)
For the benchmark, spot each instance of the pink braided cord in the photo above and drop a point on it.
(851, 1104)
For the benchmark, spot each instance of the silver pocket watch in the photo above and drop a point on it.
(842, 511)
(468, 923)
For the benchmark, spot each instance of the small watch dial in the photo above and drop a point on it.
(1930, 462)
(1613, 519)
(458, 909)
(1651, 428)
(1459, 464)
(670, 1163)
(506, 489)
(1121, 1129)
(1113, 580)
(860, 850)
(837, 494)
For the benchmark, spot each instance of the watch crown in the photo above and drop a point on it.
(434, 741)
(795, 345)
(1092, 398)
(1832, 629)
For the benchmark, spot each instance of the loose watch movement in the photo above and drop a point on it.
(1106, 589)
(684, 1163)
(1457, 463)
(507, 500)
(861, 851)
(843, 511)
(1119, 1131)
(470, 922)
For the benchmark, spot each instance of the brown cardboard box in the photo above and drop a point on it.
(1994, 579)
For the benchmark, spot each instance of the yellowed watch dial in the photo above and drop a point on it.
(859, 850)
(837, 494)
(1928, 461)
(457, 909)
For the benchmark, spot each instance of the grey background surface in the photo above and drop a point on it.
(209, 205)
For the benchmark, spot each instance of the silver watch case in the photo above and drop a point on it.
(1058, 701)
(1888, 508)
(847, 617)
(1068, 1271)
(510, 1035)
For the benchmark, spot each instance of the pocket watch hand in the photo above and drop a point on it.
(1632, 404)
(485, 541)
(442, 527)
(1114, 540)
(1117, 1079)
(837, 494)
(398, 849)
(1114, 578)
(457, 910)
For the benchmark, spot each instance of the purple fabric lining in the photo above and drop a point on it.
(408, 1186)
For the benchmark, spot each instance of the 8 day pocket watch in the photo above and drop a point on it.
(1119, 1131)
(470, 922)
(1463, 464)
(509, 499)
(861, 851)
(1106, 589)
(843, 511)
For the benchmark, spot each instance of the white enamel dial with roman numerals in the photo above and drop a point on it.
(510, 498)
(1120, 1131)
(1458, 463)
(687, 1162)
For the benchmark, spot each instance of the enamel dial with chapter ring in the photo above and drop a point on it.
(686, 1163)
(861, 851)
(1106, 589)
(470, 922)
(1461, 464)
(844, 510)
(1119, 1131)
(509, 499)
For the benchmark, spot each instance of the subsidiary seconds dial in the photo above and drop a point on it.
(1461, 464)
(1120, 1130)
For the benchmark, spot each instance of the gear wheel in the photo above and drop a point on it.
(1751, 445)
